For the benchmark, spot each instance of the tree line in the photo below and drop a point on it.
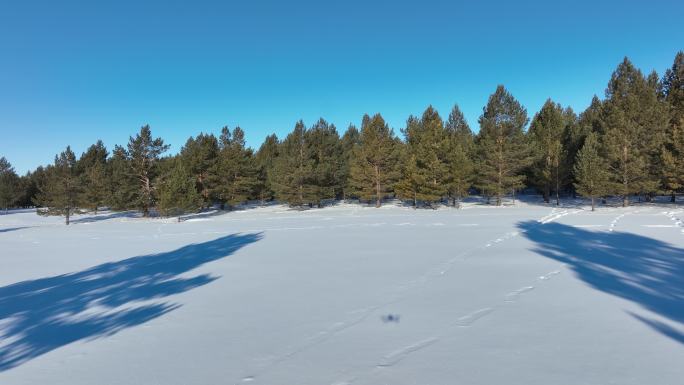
(630, 143)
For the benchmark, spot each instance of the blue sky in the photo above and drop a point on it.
(72, 72)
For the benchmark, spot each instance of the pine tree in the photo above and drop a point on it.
(144, 153)
(373, 160)
(459, 156)
(265, 160)
(60, 190)
(502, 148)
(236, 173)
(672, 151)
(427, 146)
(177, 191)
(591, 170)
(199, 157)
(91, 167)
(546, 136)
(122, 185)
(326, 152)
(411, 178)
(634, 119)
(348, 142)
(293, 170)
(9, 185)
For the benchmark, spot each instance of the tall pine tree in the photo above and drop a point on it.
(236, 173)
(546, 136)
(265, 159)
(293, 182)
(199, 157)
(326, 152)
(502, 148)
(144, 153)
(373, 161)
(460, 145)
(60, 190)
(348, 142)
(591, 170)
(9, 185)
(177, 191)
(427, 145)
(672, 152)
(634, 120)
(92, 167)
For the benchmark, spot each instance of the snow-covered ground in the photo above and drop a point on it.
(525, 294)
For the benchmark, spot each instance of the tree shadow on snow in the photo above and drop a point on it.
(14, 229)
(103, 216)
(639, 269)
(41, 315)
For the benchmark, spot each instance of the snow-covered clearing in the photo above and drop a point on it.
(526, 294)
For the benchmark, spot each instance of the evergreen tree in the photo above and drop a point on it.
(177, 190)
(373, 160)
(546, 136)
(634, 119)
(348, 142)
(144, 153)
(199, 157)
(427, 145)
(411, 178)
(460, 147)
(293, 182)
(326, 152)
(9, 185)
(92, 169)
(265, 160)
(672, 152)
(502, 148)
(60, 190)
(591, 170)
(236, 172)
(122, 185)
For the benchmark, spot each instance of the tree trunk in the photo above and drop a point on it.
(673, 199)
(377, 187)
(67, 216)
(592, 203)
(547, 193)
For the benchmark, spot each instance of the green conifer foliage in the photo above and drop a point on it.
(235, 171)
(60, 189)
(177, 191)
(144, 153)
(502, 148)
(672, 152)
(373, 160)
(9, 185)
(293, 182)
(265, 160)
(460, 148)
(199, 157)
(634, 120)
(546, 137)
(92, 168)
(591, 170)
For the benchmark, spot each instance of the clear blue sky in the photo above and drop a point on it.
(72, 72)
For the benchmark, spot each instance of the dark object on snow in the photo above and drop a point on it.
(390, 318)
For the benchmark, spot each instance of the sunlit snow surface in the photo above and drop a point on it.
(523, 294)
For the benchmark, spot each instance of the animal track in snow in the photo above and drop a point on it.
(469, 319)
(398, 355)
(548, 275)
(515, 294)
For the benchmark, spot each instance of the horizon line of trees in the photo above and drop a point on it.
(629, 143)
